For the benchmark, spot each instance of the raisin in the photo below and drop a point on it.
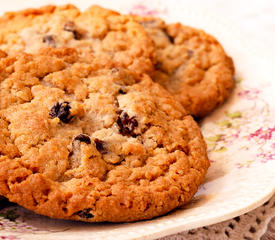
(158, 65)
(83, 138)
(62, 111)
(70, 154)
(99, 144)
(171, 39)
(119, 111)
(190, 53)
(127, 125)
(77, 35)
(85, 213)
(237, 219)
(71, 27)
(121, 91)
(115, 70)
(49, 39)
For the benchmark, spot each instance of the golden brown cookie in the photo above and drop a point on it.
(90, 144)
(115, 40)
(191, 65)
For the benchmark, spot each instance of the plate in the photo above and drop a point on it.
(240, 137)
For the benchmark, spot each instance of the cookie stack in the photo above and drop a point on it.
(96, 112)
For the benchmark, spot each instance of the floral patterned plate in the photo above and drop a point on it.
(240, 137)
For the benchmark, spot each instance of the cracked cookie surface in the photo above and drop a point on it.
(90, 144)
(191, 65)
(115, 40)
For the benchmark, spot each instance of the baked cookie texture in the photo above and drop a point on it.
(115, 40)
(191, 65)
(90, 144)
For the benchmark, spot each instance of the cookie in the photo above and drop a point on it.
(191, 65)
(115, 40)
(84, 143)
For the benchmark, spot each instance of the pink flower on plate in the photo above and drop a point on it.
(141, 9)
(10, 237)
(250, 94)
(262, 134)
(266, 156)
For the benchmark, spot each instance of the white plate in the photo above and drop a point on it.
(240, 137)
